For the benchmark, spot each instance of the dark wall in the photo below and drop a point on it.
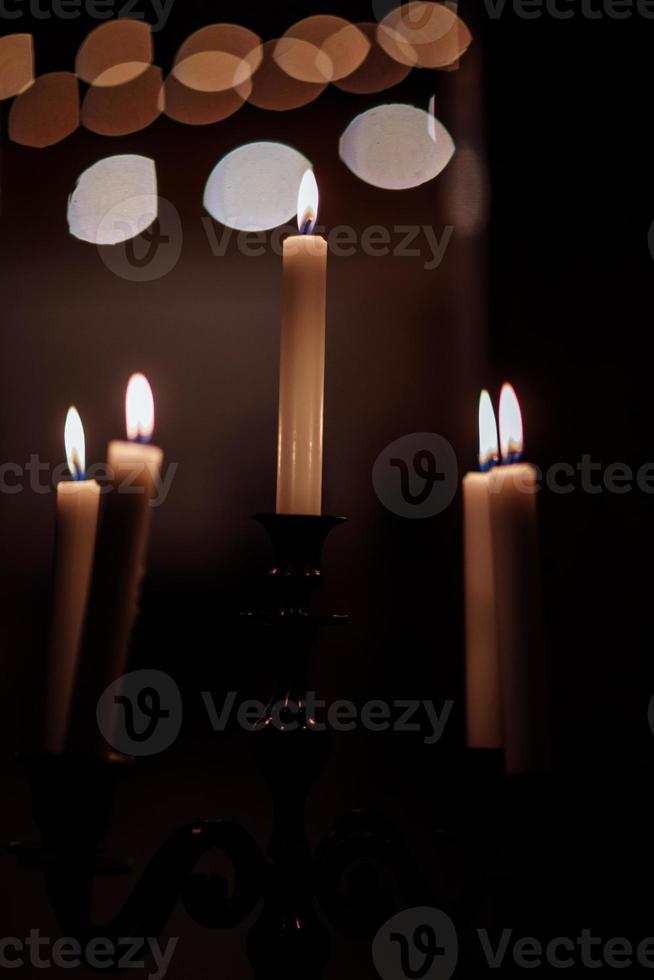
(555, 299)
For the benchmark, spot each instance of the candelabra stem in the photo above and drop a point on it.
(291, 750)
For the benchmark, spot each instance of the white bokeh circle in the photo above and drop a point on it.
(114, 200)
(396, 147)
(255, 187)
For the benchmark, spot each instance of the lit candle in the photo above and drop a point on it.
(302, 362)
(513, 488)
(78, 503)
(483, 690)
(134, 468)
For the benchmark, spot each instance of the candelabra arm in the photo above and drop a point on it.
(71, 800)
(167, 878)
(348, 871)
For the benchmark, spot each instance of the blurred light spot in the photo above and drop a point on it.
(16, 64)
(426, 34)
(218, 57)
(303, 60)
(256, 187)
(119, 50)
(188, 105)
(46, 112)
(212, 71)
(466, 192)
(273, 88)
(396, 47)
(392, 146)
(118, 110)
(114, 200)
(421, 22)
(343, 47)
(377, 72)
(120, 74)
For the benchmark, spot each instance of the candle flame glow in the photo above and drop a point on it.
(139, 409)
(307, 203)
(511, 432)
(489, 452)
(75, 444)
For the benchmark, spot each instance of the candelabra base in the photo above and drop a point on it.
(72, 802)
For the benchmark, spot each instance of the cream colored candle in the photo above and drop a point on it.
(483, 685)
(78, 504)
(123, 535)
(513, 489)
(302, 363)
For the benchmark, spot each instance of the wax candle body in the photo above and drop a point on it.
(119, 565)
(302, 376)
(483, 687)
(513, 491)
(77, 520)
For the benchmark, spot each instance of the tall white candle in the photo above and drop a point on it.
(78, 503)
(483, 684)
(513, 489)
(134, 468)
(302, 363)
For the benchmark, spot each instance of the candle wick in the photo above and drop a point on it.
(486, 465)
(76, 470)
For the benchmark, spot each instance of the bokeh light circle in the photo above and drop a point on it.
(218, 57)
(377, 72)
(255, 187)
(194, 108)
(118, 110)
(396, 147)
(114, 200)
(426, 34)
(16, 64)
(47, 111)
(119, 50)
(303, 60)
(274, 89)
(322, 48)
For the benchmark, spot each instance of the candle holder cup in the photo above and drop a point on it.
(72, 799)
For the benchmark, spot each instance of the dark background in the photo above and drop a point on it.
(553, 295)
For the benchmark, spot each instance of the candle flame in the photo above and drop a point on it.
(75, 444)
(511, 433)
(139, 409)
(489, 452)
(307, 203)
